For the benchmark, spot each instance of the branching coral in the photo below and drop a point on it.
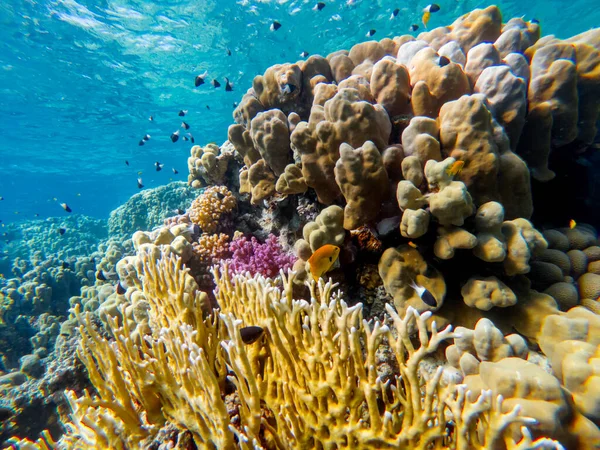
(139, 387)
(313, 381)
(249, 255)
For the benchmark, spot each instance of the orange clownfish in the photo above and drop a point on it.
(456, 168)
(322, 260)
(572, 224)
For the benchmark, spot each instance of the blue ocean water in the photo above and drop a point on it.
(79, 80)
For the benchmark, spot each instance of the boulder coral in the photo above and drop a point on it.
(207, 165)
(363, 181)
(488, 93)
(399, 268)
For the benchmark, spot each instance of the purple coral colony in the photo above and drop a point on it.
(284, 307)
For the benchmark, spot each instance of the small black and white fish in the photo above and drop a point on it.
(304, 54)
(175, 136)
(319, 6)
(235, 104)
(185, 138)
(100, 275)
(142, 142)
(394, 14)
(139, 183)
(433, 8)
(66, 207)
(228, 52)
(183, 112)
(185, 126)
(228, 85)
(413, 27)
(443, 61)
(179, 211)
(215, 83)
(62, 231)
(371, 33)
(175, 171)
(207, 107)
(424, 294)
(151, 118)
(1, 198)
(120, 289)
(289, 88)
(158, 166)
(199, 81)
(275, 26)
(191, 138)
(126, 162)
(146, 137)
(251, 334)
(65, 265)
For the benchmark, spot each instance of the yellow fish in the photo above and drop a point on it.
(322, 260)
(456, 168)
(426, 17)
(572, 224)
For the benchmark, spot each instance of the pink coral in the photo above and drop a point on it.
(254, 257)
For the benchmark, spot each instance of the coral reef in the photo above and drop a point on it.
(147, 209)
(138, 401)
(40, 239)
(208, 165)
(212, 208)
(415, 158)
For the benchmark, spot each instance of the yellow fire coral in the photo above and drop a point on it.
(312, 381)
(210, 208)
